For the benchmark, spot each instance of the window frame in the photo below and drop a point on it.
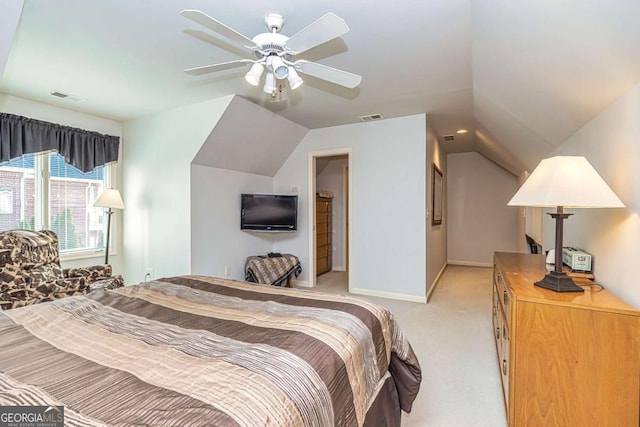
(42, 207)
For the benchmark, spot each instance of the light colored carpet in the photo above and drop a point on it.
(453, 339)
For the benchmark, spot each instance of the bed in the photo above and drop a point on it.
(196, 350)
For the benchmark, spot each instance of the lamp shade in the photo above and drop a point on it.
(254, 75)
(110, 198)
(568, 181)
(269, 83)
(294, 79)
(279, 68)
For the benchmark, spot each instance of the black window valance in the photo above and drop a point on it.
(81, 148)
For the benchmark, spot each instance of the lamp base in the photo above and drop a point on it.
(558, 282)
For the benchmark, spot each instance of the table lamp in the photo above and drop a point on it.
(564, 182)
(110, 198)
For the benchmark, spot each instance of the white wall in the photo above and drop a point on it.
(611, 142)
(332, 179)
(523, 223)
(9, 19)
(480, 222)
(217, 241)
(157, 182)
(36, 110)
(436, 235)
(388, 201)
(534, 224)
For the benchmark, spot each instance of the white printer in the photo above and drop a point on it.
(576, 259)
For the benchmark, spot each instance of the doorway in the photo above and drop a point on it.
(330, 210)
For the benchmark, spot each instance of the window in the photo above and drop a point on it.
(72, 194)
(6, 201)
(17, 181)
(61, 200)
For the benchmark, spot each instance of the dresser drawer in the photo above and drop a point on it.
(503, 295)
(501, 337)
(496, 318)
(323, 227)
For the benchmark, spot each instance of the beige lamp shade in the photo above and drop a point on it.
(568, 181)
(110, 198)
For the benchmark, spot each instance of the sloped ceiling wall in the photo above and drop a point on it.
(542, 69)
(251, 139)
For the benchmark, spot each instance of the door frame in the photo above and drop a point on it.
(313, 155)
(346, 196)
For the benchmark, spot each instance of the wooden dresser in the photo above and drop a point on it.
(566, 359)
(324, 234)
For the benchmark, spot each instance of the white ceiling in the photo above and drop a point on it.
(520, 75)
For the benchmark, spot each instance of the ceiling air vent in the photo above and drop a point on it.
(449, 138)
(58, 94)
(66, 96)
(371, 117)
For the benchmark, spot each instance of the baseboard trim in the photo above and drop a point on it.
(388, 295)
(301, 283)
(338, 269)
(435, 282)
(470, 263)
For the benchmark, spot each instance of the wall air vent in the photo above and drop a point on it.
(66, 96)
(449, 138)
(371, 117)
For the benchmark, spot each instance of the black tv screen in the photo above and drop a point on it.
(269, 212)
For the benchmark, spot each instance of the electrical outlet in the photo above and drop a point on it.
(227, 270)
(150, 273)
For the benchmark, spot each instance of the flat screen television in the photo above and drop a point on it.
(268, 212)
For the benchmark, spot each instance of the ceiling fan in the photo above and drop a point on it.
(274, 52)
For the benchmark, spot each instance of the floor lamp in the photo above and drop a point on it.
(564, 182)
(110, 199)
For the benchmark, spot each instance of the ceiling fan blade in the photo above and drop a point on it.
(217, 67)
(216, 41)
(205, 20)
(333, 75)
(323, 29)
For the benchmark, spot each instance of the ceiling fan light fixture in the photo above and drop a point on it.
(273, 51)
(295, 81)
(254, 75)
(279, 68)
(269, 83)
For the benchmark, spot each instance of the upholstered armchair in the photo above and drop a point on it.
(30, 271)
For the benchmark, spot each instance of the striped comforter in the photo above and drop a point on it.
(195, 350)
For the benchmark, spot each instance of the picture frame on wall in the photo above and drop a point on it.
(437, 190)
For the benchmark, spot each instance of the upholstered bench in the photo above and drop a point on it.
(274, 270)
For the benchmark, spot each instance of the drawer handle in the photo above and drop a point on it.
(504, 367)
(505, 298)
(504, 333)
(494, 310)
(498, 333)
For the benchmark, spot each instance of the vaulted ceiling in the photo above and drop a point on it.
(521, 76)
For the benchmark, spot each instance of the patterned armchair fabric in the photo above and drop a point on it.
(99, 276)
(30, 271)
